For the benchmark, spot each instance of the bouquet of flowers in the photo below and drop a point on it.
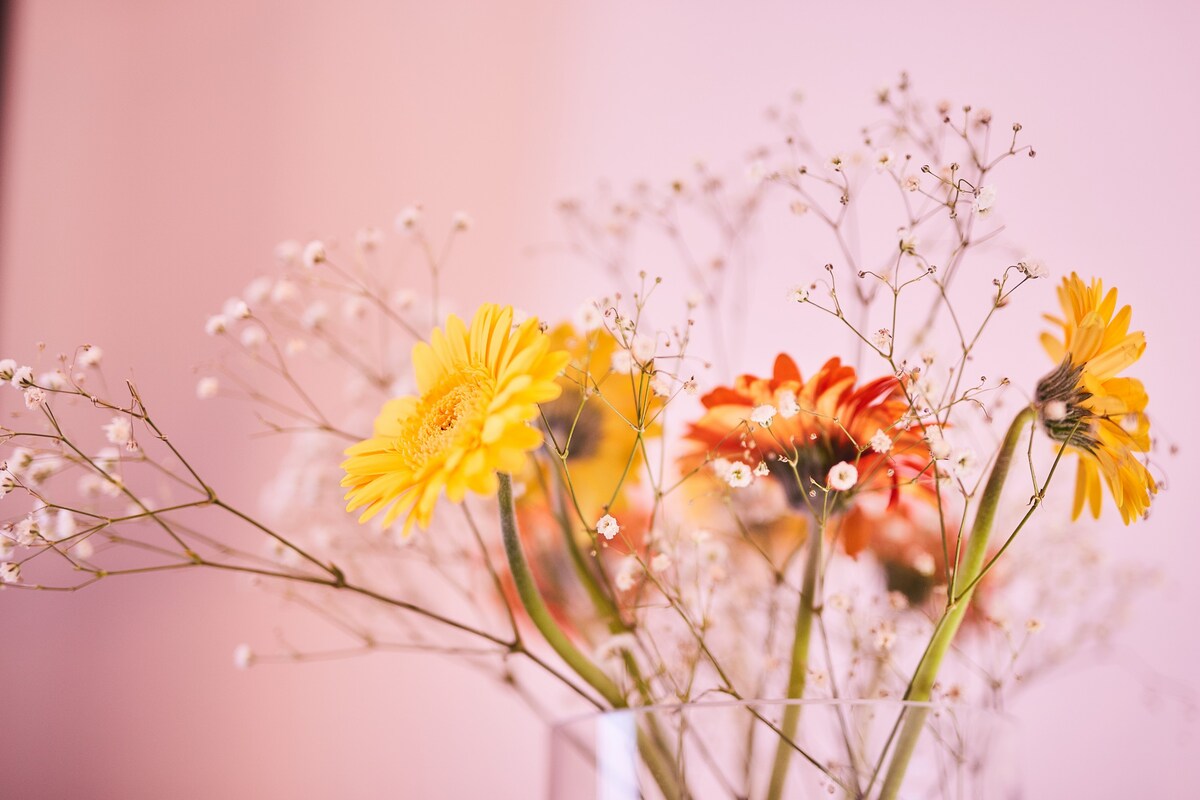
(611, 510)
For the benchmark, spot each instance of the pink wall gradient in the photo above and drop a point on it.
(156, 152)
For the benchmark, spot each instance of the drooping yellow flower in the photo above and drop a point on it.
(1086, 404)
(478, 390)
(596, 421)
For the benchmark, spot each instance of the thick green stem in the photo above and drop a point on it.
(921, 688)
(660, 767)
(798, 675)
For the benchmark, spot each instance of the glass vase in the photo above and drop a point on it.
(738, 750)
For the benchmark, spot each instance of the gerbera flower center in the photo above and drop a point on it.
(445, 415)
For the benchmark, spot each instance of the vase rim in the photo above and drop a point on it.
(575, 719)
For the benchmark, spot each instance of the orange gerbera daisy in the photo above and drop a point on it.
(1085, 404)
(773, 424)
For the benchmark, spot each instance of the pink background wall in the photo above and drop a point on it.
(155, 152)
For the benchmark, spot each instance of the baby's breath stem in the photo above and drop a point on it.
(798, 675)
(920, 690)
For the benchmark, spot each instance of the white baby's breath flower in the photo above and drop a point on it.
(368, 239)
(763, 414)
(843, 476)
(257, 291)
(660, 384)
(939, 448)
(252, 337)
(883, 159)
(912, 183)
(964, 462)
(90, 357)
(84, 550)
(22, 377)
(25, 531)
(924, 564)
(661, 562)
(314, 253)
(762, 469)
(1054, 411)
(836, 162)
(607, 526)
(408, 218)
(985, 200)
(461, 221)
(284, 291)
(643, 348)
(206, 388)
(53, 380)
(216, 324)
(882, 339)
(787, 404)
(287, 253)
(739, 475)
(7, 368)
(1034, 268)
(1034, 625)
(10, 572)
(43, 468)
(236, 308)
(243, 656)
(627, 574)
(8, 481)
(880, 441)
(690, 387)
(798, 207)
(588, 316)
(798, 295)
(118, 431)
(314, 316)
(622, 362)
(65, 525)
(35, 398)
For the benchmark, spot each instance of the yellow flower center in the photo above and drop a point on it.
(444, 415)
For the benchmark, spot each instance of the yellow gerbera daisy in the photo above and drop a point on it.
(1085, 403)
(479, 388)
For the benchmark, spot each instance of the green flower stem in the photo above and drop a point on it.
(798, 675)
(920, 690)
(543, 620)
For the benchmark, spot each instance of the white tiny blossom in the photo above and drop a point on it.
(660, 384)
(25, 531)
(257, 291)
(880, 441)
(798, 295)
(622, 362)
(42, 468)
(236, 308)
(461, 221)
(843, 476)
(739, 475)
(788, 406)
(1033, 268)
(763, 414)
(7, 547)
(53, 380)
(119, 430)
(690, 387)
(589, 317)
(368, 239)
(762, 470)
(22, 377)
(836, 162)
(924, 564)
(314, 316)
(607, 526)
(284, 291)
(216, 324)
(243, 656)
(35, 398)
(408, 218)
(7, 368)
(756, 171)
(1054, 411)
(964, 462)
(985, 200)
(912, 183)
(882, 339)
(885, 635)
(252, 337)
(1034, 625)
(798, 208)
(643, 348)
(65, 525)
(19, 459)
(883, 159)
(939, 448)
(84, 550)
(90, 357)
(287, 253)
(206, 388)
(660, 563)
(627, 574)
(10, 572)
(8, 481)
(314, 253)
